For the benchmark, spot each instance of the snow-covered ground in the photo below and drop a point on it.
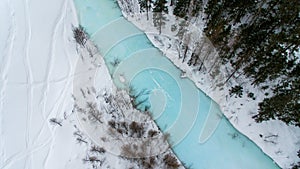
(276, 139)
(37, 60)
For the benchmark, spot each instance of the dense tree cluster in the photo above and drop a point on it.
(145, 5)
(187, 8)
(260, 38)
(160, 9)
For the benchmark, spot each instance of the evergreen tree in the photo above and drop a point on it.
(160, 9)
(145, 5)
(284, 105)
(187, 8)
(182, 7)
(260, 39)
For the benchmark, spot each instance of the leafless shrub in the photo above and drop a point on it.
(129, 150)
(272, 135)
(91, 159)
(83, 93)
(138, 98)
(148, 163)
(152, 133)
(171, 162)
(91, 54)
(167, 137)
(55, 121)
(97, 149)
(270, 141)
(136, 129)
(81, 140)
(132, 129)
(104, 139)
(77, 134)
(95, 161)
(115, 62)
(93, 112)
(112, 123)
(80, 35)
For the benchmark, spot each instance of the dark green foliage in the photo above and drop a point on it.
(260, 39)
(297, 166)
(145, 5)
(182, 7)
(236, 90)
(284, 104)
(264, 45)
(251, 95)
(160, 6)
(160, 9)
(188, 8)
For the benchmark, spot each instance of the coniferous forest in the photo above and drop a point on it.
(259, 38)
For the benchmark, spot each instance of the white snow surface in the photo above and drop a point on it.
(37, 59)
(276, 139)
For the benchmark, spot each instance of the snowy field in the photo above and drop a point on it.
(37, 60)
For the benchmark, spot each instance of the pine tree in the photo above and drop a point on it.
(160, 9)
(145, 5)
(187, 8)
(182, 7)
(284, 105)
(260, 39)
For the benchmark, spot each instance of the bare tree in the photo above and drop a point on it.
(186, 42)
(80, 35)
(55, 121)
(171, 161)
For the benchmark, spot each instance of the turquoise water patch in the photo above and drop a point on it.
(94, 14)
(163, 82)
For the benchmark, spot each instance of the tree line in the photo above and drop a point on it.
(259, 38)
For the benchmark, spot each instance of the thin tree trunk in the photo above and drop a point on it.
(184, 54)
(160, 22)
(230, 76)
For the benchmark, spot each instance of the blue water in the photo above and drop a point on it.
(201, 135)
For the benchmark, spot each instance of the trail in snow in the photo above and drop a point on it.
(6, 60)
(28, 140)
(58, 22)
(29, 82)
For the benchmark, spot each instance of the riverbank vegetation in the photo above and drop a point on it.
(259, 39)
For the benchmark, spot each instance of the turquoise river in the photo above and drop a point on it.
(202, 137)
